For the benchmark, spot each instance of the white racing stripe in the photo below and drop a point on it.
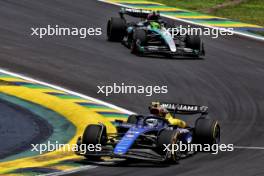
(194, 23)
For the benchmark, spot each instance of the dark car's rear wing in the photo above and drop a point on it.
(138, 13)
(184, 108)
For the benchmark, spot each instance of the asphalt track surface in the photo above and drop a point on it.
(19, 128)
(229, 79)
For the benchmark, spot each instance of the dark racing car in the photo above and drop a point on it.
(149, 137)
(151, 35)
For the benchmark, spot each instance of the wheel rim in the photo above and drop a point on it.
(175, 155)
(216, 134)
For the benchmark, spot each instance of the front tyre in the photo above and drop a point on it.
(193, 42)
(169, 137)
(132, 119)
(139, 39)
(94, 134)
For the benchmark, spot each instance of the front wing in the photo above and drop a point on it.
(140, 154)
(165, 50)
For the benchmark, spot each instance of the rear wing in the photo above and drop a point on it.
(185, 108)
(138, 13)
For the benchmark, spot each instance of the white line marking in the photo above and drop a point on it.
(71, 171)
(194, 23)
(67, 91)
(249, 148)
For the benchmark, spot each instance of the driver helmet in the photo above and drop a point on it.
(152, 122)
(156, 109)
(155, 25)
(154, 16)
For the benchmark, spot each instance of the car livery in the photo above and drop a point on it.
(144, 137)
(147, 37)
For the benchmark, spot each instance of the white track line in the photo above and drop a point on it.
(67, 91)
(71, 171)
(248, 148)
(194, 23)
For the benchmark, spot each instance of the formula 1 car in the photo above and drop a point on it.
(147, 137)
(151, 36)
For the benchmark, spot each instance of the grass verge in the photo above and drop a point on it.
(251, 11)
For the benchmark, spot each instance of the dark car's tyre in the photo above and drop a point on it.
(139, 39)
(116, 28)
(167, 137)
(207, 131)
(94, 134)
(193, 42)
(141, 35)
(132, 119)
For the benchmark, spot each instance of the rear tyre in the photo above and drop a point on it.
(207, 131)
(116, 28)
(94, 134)
(167, 137)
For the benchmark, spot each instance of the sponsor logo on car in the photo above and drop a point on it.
(187, 108)
(180, 107)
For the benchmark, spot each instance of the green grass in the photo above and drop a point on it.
(195, 5)
(251, 11)
(258, 32)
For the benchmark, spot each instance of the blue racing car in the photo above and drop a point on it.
(151, 137)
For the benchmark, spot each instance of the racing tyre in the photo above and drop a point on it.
(207, 131)
(167, 137)
(116, 28)
(94, 134)
(193, 42)
(132, 119)
(139, 39)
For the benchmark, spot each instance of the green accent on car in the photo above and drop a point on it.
(155, 25)
(141, 49)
